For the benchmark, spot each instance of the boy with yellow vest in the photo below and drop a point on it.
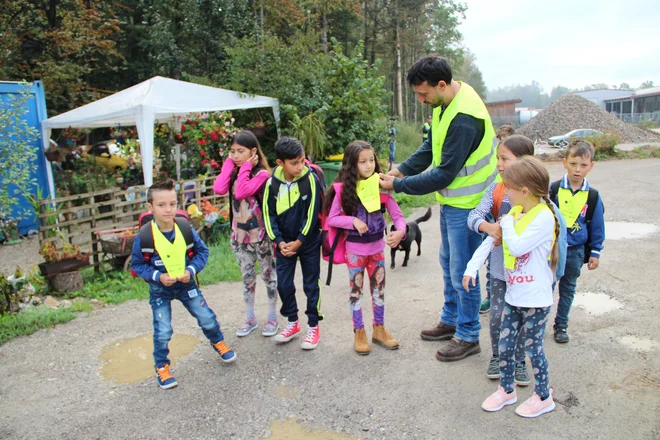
(170, 269)
(582, 208)
(461, 150)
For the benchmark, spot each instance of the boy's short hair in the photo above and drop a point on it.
(161, 185)
(287, 148)
(432, 69)
(580, 148)
(504, 131)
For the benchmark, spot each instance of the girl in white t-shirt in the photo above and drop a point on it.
(529, 234)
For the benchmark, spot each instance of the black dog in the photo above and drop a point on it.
(413, 233)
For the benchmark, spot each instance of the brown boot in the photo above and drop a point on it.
(383, 338)
(457, 349)
(440, 332)
(361, 342)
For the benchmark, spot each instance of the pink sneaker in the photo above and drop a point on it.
(311, 338)
(290, 332)
(499, 399)
(534, 406)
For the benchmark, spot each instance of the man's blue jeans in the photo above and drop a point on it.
(568, 284)
(461, 308)
(160, 299)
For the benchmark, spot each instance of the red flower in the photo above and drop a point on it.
(214, 164)
(132, 132)
(224, 134)
(194, 123)
(183, 128)
(203, 153)
(201, 141)
(187, 121)
(205, 161)
(214, 136)
(179, 138)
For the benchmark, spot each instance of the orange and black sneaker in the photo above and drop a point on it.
(165, 378)
(226, 354)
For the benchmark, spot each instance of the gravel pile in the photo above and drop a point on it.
(572, 112)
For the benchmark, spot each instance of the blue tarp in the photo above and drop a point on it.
(36, 112)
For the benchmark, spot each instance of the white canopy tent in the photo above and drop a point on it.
(157, 100)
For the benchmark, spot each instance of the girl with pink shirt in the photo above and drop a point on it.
(244, 175)
(357, 210)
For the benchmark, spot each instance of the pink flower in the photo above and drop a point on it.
(203, 153)
(205, 161)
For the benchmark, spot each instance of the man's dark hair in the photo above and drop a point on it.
(161, 185)
(432, 69)
(287, 148)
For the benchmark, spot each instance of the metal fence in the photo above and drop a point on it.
(639, 117)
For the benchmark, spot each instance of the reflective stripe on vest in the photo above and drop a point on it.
(520, 226)
(173, 254)
(480, 169)
(572, 205)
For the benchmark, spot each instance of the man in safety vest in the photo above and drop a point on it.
(427, 127)
(461, 147)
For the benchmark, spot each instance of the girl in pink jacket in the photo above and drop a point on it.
(244, 175)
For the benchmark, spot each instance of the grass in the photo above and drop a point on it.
(408, 203)
(27, 322)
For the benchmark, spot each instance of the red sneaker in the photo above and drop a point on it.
(311, 338)
(290, 332)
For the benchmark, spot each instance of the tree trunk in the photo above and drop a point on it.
(397, 46)
(365, 55)
(261, 16)
(324, 28)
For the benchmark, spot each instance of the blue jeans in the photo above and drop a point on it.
(461, 308)
(160, 299)
(568, 284)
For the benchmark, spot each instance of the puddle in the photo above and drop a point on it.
(284, 391)
(131, 360)
(292, 430)
(624, 230)
(596, 303)
(637, 344)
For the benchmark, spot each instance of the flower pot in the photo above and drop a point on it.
(119, 180)
(52, 156)
(67, 281)
(68, 265)
(258, 131)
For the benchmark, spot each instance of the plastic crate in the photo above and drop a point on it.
(330, 169)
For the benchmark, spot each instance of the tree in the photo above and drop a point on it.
(646, 85)
(559, 91)
(470, 73)
(625, 86)
(532, 95)
(18, 153)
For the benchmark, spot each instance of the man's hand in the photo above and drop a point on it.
(360, 226)
(396, 173)
(387, 181)
(394, 238)
(185, 278)
(593, 263)
(166, 280)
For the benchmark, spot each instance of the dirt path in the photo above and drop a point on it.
(606, 380)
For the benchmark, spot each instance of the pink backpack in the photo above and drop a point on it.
(333, 240)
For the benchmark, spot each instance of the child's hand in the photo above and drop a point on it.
(166, 280)
(466, 282)
(360, 226)
(394, 238)
(294, 246)
(494, 230)
(185, 278)
(254, 160)
(593, 263)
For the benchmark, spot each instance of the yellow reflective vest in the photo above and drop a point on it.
(520, 226)
(480, 169)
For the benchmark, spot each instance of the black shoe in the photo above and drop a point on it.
(457, 349)
(561, 337)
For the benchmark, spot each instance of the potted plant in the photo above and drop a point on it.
(258, 127)
(71, 258)
(52, 153)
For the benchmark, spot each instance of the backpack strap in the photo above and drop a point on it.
(331, 258)
(186, 230)
(147, 241)
(554, 190)
(592, 201)
(498, 197)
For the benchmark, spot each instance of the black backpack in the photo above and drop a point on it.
(592, 200)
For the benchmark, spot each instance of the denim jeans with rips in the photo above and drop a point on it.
(160, 299)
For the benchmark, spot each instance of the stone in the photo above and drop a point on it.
(66, 303)
(36, 300)
(51, 302)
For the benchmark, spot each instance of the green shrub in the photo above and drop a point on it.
(408, 139)
(605, 145)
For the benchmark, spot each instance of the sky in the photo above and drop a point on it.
(559, 42)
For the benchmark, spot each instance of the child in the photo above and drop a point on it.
(582, 209)
(243, 177)
(495, 203)
(365, 226)
(528, 240)
(170, 271)
(502, 133)
(293, 197)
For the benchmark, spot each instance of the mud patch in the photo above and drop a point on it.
(286, 392)
(569, 401)
(131, 360)
(642, 380)
(596, 303)
(292, 430)
(638, 344)
(627, 231)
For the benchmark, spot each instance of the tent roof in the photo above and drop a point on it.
(167, 98)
